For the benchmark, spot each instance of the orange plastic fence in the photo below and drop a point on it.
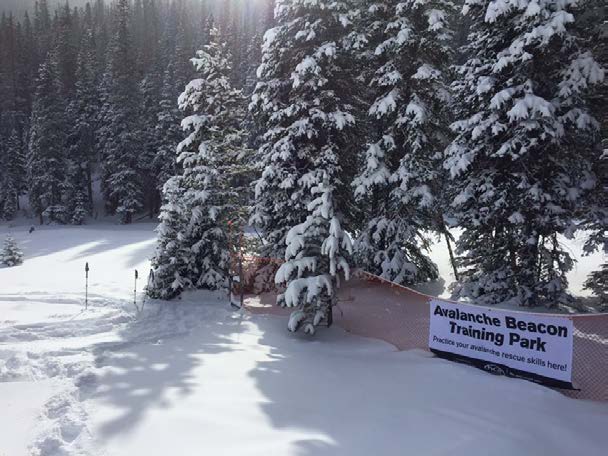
(590, 350)
(374, 307)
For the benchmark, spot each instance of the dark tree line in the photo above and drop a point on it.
(92, 92)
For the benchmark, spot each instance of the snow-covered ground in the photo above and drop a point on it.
(193, 377)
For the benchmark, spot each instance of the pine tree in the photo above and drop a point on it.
(522, 158)
(210, 158)
(42, 27)
(172, 262)
(82, 113)
(46, 158)
(66, 50)
(597, 283)
(11, 255)
(12, 176)
(27, 59)
(121, 179)
(207, 24)
(8, 68)
(204, 194)
(177, 73)
(184, 48)
(6, 190)
(593, 29)
(80, 208)
(152, 67)
(301, 202)
(409, 53)
(149, 112)
(168, 131)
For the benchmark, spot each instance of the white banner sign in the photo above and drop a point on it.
(494, 339)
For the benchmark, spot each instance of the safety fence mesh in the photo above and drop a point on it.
(373, 307)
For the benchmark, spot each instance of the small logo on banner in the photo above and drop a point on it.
(494, 369)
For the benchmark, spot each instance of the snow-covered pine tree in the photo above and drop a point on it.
(252, 61)
(42, 26)
(17, 163)
(82, 113)
(11, 254)
(593, 27)
(150, 88)
(593, 215)
(5, 182)
(522, 158)
(168, 131)
(409, 129)
(80, 208)
(3, 159)
(121, 180)
(172, 262)
(207, 23)
(597, 283)
(307, 153)
(177, 74)
(226, 25)
(46, 156)
(151, 61)
(12, 176)
(211, 159)
(204, 199)
(26, 67)
(65, 47)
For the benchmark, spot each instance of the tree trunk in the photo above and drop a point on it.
(452, 258)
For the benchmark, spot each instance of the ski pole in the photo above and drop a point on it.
(86, 288)
(149, 287)
(135, 290)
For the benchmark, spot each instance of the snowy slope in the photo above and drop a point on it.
(55, 259)
(46, 337)
(193, 377)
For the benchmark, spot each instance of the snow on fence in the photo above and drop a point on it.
(374, 307)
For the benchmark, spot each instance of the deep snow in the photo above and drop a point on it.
(193, 377)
